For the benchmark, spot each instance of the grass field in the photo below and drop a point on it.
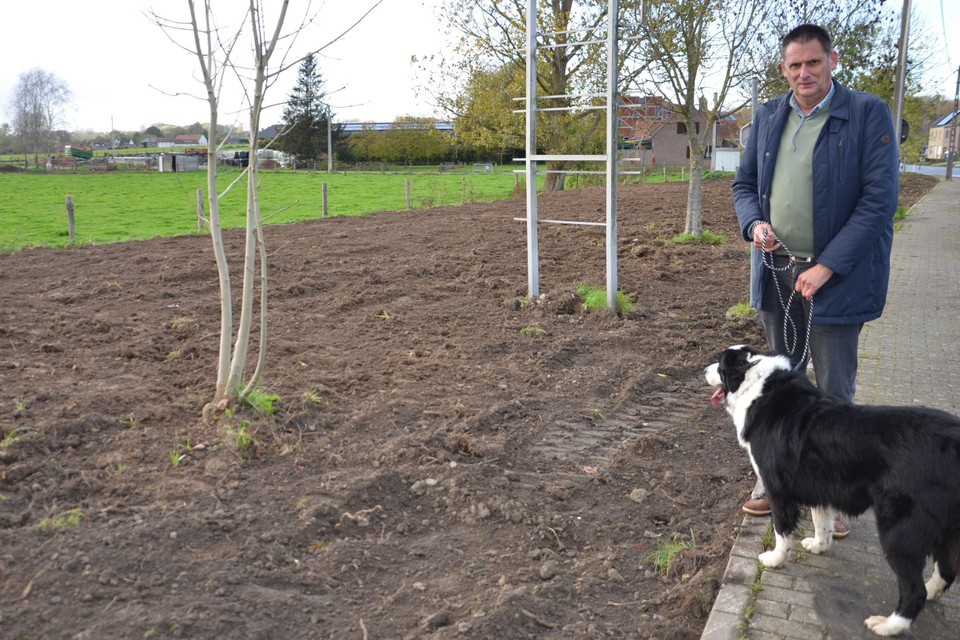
(118, 206)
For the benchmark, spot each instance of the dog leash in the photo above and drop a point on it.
(788, 323)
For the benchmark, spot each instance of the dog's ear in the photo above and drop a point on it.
(733, 368)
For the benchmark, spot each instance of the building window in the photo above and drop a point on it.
(681, 128)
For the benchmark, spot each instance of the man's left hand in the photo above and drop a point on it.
(811, 280)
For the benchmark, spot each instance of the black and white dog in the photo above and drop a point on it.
(812, 449)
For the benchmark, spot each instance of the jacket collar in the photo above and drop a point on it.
(839, 103)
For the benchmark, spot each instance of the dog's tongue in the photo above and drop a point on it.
(717, 398)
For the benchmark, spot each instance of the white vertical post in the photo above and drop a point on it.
(329, 144)
(613, 109)
(533, 258)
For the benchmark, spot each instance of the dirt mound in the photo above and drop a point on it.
(448, 459)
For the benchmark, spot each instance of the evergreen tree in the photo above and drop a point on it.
(305, 116)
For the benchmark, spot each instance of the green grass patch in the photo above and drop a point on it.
(12, 437)
(666, 551)
(244, 439)
(69, 519)
(533, 331)
(741, 310)
(705, 238)
(596, 298)
(119, 206)
(262, 401)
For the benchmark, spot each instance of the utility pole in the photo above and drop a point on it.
(901, 70)
(952, 143)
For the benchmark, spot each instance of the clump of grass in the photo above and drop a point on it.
(262, 401)
(313, 397)
(741, 310)
(243, 438)
(69, 519)
(705, 238)
(12, 437)
(179, 453)
(182, 324)
(666, 551)
(533, 331)
(596, 298)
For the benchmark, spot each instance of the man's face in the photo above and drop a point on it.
(808, 69)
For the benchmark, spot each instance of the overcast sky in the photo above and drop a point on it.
(118, 64)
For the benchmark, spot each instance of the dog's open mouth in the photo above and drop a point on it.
(717, 398)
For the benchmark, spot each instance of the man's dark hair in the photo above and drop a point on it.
(806, 33)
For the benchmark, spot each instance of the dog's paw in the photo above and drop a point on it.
(892, 625)
(816, 546)
(772, 559)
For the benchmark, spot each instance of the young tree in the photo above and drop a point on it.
(307, 116)
(693, 45)
(216, 55)
(38, 107)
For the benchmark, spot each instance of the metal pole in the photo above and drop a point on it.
(613, 108)
(901, 70)
(329, 145)
(952, 143)
(533, 258)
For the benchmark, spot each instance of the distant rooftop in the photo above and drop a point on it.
(947, 119)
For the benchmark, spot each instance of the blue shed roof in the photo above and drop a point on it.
(947, 119)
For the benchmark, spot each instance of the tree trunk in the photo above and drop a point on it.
(554, 182)
(694, 224)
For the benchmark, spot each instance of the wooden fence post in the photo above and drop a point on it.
(70, 219)
(199, 209)
(408, 194)
(324, 211)
(463, 190)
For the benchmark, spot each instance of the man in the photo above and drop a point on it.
(815, 193)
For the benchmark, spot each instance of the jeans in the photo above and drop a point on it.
(833, 347)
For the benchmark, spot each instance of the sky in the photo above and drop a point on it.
(122, 69)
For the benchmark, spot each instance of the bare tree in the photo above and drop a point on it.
(691, 47)
(38, 107)
(216, 52)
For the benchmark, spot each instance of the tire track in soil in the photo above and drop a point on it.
(593, 442)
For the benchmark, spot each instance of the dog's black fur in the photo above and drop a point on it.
(812, 449)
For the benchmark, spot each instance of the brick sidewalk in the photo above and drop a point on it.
(909, 356)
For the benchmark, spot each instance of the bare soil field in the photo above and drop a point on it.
(447, 460)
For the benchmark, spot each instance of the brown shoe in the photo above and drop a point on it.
(840, 529)
(757, 506)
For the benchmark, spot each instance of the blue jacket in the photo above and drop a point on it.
(855, 192)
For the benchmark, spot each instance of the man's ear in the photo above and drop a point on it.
(834, 58)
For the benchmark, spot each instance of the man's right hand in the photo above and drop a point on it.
(764, 238)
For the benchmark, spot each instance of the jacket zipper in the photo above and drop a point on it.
(840, 158)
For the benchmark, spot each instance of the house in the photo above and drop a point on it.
(191, 140)
(938, 142)
(270, 132)
(653, 133)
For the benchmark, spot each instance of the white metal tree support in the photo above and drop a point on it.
(532, 158)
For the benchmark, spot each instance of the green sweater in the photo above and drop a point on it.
(791, 194)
